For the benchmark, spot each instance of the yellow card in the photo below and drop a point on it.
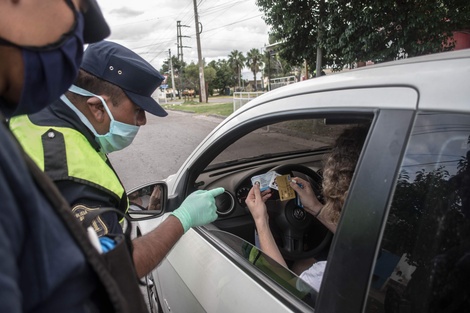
(285, 190)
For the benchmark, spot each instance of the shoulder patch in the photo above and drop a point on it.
(99, 226)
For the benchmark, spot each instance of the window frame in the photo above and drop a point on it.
(353, 252)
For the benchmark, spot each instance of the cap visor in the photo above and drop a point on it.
(147, 103)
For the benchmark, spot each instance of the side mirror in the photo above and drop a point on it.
(148, 201)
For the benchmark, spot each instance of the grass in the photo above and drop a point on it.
(222, 109)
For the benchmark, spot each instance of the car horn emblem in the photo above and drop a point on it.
(299, 214)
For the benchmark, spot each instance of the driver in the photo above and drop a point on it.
(337, 174)
(99, 114)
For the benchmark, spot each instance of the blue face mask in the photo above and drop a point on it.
(49, 72)
(119, 136)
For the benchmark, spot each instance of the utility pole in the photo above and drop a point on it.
(269, 70)
(306, 65)
(172, 74)
(179, 40)
(319, 37)
(202, 83)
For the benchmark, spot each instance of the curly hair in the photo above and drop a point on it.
(339, 168)
(98, 86)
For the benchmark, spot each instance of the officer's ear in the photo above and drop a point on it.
(96, 108)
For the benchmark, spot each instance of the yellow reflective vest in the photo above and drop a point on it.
(65, 154)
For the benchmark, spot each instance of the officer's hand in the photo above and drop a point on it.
(198, 208)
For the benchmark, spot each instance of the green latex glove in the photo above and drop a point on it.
(198, 208)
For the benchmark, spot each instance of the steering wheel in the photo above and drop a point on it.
(298, 234)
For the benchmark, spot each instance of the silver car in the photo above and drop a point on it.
(403, 240)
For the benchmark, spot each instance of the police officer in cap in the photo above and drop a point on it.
(101, 113)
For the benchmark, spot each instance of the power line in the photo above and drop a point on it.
(226, 25)
(209, 11)
(230, 24)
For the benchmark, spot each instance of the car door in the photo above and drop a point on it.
(424, 257)
(204, 274)
(354, 247)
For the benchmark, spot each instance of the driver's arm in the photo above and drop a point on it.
(255, 202)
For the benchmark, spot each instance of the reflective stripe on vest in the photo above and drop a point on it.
(46, 147)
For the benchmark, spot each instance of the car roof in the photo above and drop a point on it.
(438, 82)
(441, 81)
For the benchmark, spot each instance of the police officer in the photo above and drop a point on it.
(43, 268)
(102, 113)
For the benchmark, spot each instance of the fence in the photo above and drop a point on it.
(282, 81)
(242, 98)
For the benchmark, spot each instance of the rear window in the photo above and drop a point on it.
(424, 261)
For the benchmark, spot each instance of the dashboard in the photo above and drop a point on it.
(237, 183)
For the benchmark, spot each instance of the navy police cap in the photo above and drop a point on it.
(124, 68)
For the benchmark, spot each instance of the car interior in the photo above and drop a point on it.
(296, 148)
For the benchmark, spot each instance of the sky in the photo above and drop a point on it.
(148, 27)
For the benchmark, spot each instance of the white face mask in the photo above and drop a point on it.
(119, 136)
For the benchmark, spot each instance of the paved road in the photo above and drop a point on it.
(161, 147)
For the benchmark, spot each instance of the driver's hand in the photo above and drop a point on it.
(307, 195)
(256, 202)
(155, 198)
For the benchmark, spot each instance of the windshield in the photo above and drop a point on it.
(285, 138)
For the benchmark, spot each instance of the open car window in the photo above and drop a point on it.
(284, 138)
(269, 267)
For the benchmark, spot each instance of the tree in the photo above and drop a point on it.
(398, 29)
(237, 62)
(253, 60)
(177, 69)
(267, 69)
(295, 25)
(210, 75)
(224, 75)
(191, 76)
(362, 30)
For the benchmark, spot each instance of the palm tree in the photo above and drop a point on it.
(266, 60)
(237, 61)
(253, 61)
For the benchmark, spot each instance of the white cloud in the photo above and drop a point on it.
(149, 27)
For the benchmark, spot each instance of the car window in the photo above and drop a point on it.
(424, 260)
(287, 137)
(269, 267)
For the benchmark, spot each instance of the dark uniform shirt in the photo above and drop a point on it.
(41, 267)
